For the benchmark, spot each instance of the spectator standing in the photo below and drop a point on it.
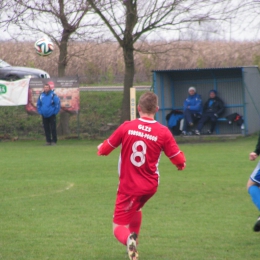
(142, 140)
(254, 183)
(48, 106)
(212, 109)
(192, 109)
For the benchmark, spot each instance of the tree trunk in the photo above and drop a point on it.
(128, 81)
(128, 49)
(63, 53)
(63, 127)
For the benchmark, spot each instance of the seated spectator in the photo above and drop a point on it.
(212, 109)
(192, 109)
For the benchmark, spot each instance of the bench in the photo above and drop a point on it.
(224, 128)
(222, 119)
(236, 128)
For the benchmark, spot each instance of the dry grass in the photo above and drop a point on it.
(103, 63)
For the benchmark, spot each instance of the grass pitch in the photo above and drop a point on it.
(57, 203)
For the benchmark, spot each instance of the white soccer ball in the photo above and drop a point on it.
(44, 47)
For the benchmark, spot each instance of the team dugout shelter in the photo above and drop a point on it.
(238, 87)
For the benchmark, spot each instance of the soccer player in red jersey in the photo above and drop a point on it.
(142, 140)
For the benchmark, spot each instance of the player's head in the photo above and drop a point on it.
(148, 103)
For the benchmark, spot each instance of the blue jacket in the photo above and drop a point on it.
(48, 104)
(173, 120)
(194, 103)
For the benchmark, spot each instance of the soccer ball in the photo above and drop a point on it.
(43, 47)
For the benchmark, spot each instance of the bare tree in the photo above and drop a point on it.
(130, 21)
(7, 17)
(247, 21)
(62, 21)
(3, 6)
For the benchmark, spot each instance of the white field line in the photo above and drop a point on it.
(69, 186)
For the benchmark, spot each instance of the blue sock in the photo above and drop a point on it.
(254, 192)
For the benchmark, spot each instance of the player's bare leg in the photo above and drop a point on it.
(123, 235)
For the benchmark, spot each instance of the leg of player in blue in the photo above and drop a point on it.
(254, 192)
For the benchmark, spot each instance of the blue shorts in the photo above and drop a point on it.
(255, 176)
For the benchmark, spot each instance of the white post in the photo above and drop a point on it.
(132, 103)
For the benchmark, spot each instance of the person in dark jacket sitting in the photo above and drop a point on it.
(212, 109)
(48, 106)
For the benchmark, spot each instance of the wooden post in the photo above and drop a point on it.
(132, 103)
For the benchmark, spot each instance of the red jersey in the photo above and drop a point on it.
(142, 141)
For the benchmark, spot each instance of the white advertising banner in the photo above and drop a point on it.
(14, 93)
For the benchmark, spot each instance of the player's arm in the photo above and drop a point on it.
(179, 160)
(112, 142)
(105, 148)
(173, 152)
(253, 155)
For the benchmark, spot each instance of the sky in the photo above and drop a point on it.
(243, 28)
(227, 32)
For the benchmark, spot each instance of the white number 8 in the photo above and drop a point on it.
(140, 154)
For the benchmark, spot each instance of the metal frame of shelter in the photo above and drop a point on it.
(239, 87)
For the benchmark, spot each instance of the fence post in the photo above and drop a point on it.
(132, 103)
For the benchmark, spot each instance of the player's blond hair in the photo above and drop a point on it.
(148, 103)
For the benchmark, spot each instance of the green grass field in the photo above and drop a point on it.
(57, 203)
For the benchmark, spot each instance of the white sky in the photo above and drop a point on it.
(243, 28)
(228, 31)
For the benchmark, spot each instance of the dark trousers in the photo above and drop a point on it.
(49, 125)
(190, 118)
(205, 118)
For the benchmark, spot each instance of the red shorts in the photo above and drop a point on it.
(126, 206)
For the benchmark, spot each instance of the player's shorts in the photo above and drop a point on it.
(126, 206)
(255, 176)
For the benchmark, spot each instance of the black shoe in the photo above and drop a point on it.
(209, 132)
(257, 225)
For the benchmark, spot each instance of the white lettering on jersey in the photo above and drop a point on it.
(145, 128)
(144, 135)
(140, 154)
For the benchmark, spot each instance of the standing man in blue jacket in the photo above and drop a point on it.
(192, 109)
(48, 106)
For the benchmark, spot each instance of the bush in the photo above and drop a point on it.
(99, 114)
